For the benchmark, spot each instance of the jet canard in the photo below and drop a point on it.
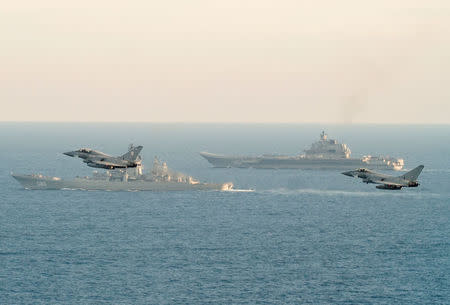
(387, 182)
(98, 159)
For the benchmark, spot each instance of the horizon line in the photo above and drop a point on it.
(228, 123)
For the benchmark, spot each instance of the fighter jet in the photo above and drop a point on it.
(94, 158)
(387, 182)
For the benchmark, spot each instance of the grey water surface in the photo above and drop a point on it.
(300, 236)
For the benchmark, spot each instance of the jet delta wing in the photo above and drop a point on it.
(98, 159)
(385, 181)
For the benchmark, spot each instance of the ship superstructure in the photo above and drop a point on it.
(327, 149)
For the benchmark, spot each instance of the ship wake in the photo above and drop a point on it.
(240, 190)
(331, 193)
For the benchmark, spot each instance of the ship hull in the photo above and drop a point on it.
(290, 162)
(35, 182)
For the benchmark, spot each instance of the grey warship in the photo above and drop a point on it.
(323, 154)
(160, 178)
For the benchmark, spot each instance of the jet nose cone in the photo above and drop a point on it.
(70, 154)
(349, 173)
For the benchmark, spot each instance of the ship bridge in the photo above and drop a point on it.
(328, 148)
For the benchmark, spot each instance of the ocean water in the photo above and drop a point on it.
(300, 236)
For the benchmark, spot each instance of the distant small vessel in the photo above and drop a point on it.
(160, 178)
(323, 154)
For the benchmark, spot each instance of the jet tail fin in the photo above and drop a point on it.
(132, 153)
(413, 174)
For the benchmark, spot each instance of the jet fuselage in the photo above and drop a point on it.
(387, 182)
(98, 159)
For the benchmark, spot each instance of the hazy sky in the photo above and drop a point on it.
(343, 61)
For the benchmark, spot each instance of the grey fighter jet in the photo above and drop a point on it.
(94, 158)
(387, 182)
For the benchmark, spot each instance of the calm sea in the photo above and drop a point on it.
(300, 237)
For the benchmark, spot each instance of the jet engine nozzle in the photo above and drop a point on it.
(413, 184)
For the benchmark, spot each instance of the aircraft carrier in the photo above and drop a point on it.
(160, 178)
(323, 154)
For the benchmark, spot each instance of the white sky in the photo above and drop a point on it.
(226, 61)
